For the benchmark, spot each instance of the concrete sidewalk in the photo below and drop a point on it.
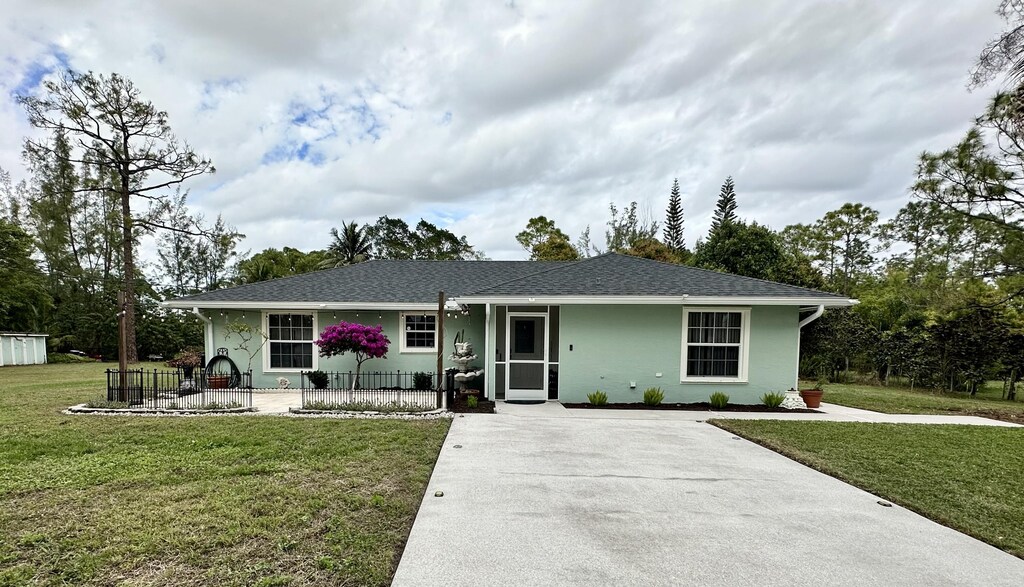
(566, 498)
(830, 413)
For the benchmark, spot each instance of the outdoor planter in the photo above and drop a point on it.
(217, 381)
(812, 397)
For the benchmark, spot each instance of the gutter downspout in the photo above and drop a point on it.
(814, 316)
(208, 330)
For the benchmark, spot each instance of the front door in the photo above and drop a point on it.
(527, 371)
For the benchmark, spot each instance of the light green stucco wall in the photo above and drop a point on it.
(395, 361)
(613, 345)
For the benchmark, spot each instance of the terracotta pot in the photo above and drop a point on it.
(217, 381)
(812, 397)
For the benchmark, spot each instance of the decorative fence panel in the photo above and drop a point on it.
(177, 389)
(380, 389)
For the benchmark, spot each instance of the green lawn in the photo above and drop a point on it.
(104, 500)
(901, 400)
(966, 477)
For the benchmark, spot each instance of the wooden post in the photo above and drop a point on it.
(122, 347)
(440, 344)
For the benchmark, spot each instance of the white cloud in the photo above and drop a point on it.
(484, 114)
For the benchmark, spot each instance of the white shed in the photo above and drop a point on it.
(22, 348)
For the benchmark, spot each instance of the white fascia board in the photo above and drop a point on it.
(677, 300)
(226, 305)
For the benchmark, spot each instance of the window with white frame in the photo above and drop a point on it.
(714, 345)
(290, 339)
(419, 332)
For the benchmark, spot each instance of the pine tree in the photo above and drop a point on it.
(674, 219)
(725, 210)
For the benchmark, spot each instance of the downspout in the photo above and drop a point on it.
(208, 328)
(814, 316)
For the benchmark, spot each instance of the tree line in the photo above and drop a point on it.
(106, 172)
(940, 282)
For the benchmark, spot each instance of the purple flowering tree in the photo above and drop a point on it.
(366, 342)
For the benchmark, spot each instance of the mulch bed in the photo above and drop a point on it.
(694, 407)
(461, 407)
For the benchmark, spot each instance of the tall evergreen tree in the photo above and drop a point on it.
(130, 144)
(674, 219)
(725, 210)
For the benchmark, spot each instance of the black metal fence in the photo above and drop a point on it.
(384, 389)
(177, 389)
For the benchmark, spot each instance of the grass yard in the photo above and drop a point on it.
(966, 477)
(901, 400)
(104, 500)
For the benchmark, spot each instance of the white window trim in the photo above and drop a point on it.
(266, 346)
(401, 329)
(744, 346)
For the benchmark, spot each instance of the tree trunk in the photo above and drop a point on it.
(129, 269)
(1011, 393)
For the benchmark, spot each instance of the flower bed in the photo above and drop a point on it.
(694, 407)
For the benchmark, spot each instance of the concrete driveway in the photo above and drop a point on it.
(536, 500)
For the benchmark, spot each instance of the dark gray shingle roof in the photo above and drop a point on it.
(380, 281)
(419, 281)
(621, 275)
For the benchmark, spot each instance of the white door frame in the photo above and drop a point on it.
(525, 394)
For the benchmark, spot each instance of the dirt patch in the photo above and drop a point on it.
(460, 406)
(695, 407)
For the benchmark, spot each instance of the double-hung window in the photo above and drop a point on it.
(715, 345)
(419, 332)
(290, 337)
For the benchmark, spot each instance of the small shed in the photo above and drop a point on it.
(22, 348)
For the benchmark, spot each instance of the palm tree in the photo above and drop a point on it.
(348, 247)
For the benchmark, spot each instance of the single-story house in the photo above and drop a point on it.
(542, 330)
(22, 348)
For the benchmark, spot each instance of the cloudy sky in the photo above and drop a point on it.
(479, 115)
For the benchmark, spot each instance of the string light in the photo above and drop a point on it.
(335, 315)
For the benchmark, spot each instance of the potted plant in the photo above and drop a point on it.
(217, 380)
(187, 360)
(812, 397)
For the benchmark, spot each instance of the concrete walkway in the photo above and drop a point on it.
(565, 497)
(830, 413)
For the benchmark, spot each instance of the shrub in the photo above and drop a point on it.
(597, 398)
(318, 379)
(106, 405)
(653, 396)
(773, 399)
(189, 357)
(386, 408)
(719, 400)
(67, 358)
(472, 401)
(421, 380)
(219, 406)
